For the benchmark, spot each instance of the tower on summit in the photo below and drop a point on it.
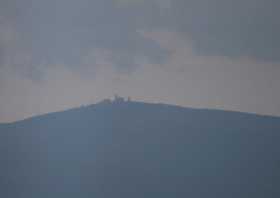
(118, 99)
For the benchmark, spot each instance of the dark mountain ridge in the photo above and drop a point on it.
(133, 149)
(111, 103)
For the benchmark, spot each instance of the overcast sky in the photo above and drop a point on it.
(58, 54)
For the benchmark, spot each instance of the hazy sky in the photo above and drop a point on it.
(58, 54)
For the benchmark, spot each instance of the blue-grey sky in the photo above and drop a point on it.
(57, 54)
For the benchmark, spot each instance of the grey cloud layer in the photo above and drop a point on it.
(64, 30)
(193, 80)
(206, 53)
(232, 27)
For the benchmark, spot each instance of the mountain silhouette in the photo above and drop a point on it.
(125, 149)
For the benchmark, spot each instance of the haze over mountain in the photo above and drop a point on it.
(58, 54)
(125, 149)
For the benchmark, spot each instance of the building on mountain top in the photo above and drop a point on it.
(118, 99)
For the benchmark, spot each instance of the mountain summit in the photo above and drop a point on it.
(125, 149)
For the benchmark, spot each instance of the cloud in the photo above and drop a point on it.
(129, 2)
(185, 79)
(209, 81)
(163, 4)
(231, 27)
(62, 32)
(7, 39)
(51, 33)
(206, 53)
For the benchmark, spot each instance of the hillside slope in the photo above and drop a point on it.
(133, 149)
